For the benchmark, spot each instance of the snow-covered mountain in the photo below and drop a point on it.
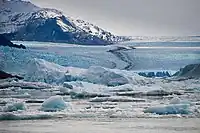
(22, 20)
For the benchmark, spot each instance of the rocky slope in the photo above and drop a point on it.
(189, 71)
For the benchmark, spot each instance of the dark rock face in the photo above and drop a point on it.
(154, 74)
(5, 42)
(4, 75)
(48, 31)
(189, 71)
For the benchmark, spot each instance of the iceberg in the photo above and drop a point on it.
(44, 71)
(169, 109)
(40, 70)
(87, 90)
(175, 100)
(54, 103)
(100, 75)
(10, 116)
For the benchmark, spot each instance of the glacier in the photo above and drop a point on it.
(91, 82)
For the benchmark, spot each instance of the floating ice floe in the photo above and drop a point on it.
(169, 109)
(175, 106)
(151, 93)
(54, 103)
(67, 85)
(84, 90)
(14, 107)
(112, 77)
(64, 90)
(100, 75)
(175, 100)
(116, 99)
(11, 116)
(25, 95)
(24, 85)
(161, 93)
(86, 95)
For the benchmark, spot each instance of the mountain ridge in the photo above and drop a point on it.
(24, 21)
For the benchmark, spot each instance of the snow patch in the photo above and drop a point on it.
(65, 27)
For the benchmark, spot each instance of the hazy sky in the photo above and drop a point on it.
(134, 17)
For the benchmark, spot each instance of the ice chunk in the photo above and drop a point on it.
(162, 93)
(25, 95)
(157, 93)
(67, 85)
(54, 103)
(86, 95)
(100, 75)
(14, 107)
(43, 71)
(104, 76)
(175, 100)
(10, 116)
(81, 88)
(116, 99)
(64, 90)
(169, 109)
(25, 85)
